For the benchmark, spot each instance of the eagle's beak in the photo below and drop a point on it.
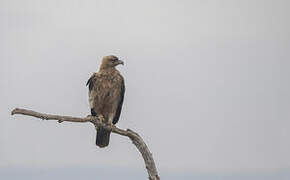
(121, 62)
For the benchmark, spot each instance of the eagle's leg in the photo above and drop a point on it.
(111, 125)
(110, 121)
(101, 118)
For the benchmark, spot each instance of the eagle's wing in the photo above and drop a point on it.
(91, 83)
(120, 102)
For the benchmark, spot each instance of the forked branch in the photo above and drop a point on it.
(135, 138)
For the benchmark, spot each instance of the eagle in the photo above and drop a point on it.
(106, 95)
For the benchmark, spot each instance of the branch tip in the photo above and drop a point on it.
(14, 111)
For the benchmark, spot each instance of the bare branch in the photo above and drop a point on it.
(135, 137)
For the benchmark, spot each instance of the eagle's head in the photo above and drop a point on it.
(110, 62)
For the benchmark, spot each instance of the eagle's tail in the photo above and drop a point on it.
(103, 137)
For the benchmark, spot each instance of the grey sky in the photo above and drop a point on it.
(207, 82)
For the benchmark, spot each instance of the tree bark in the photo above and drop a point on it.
(133, 136)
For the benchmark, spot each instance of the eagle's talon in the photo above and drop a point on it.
(101, 118)
(110, 125)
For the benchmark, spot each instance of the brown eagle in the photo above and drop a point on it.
(106, 94)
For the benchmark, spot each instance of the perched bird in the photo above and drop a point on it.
(106, 94)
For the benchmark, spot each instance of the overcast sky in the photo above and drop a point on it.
(207, 83)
